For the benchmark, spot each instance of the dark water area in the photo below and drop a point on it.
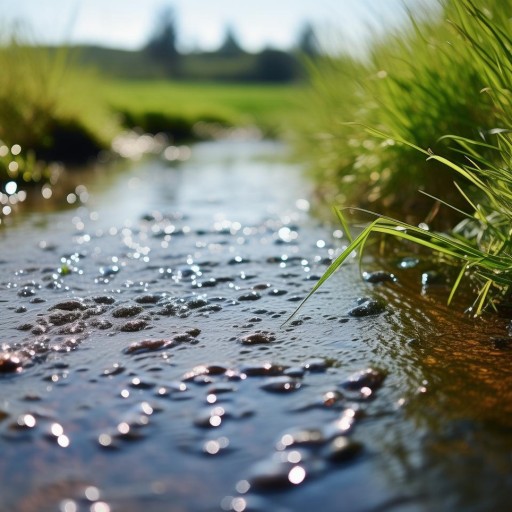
(144, 364)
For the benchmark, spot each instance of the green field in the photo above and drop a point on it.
(267, 106)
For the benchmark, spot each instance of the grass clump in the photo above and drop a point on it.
(477, 152)
(415, 85)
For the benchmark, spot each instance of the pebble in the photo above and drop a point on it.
(367, 307)
(258, 338)
(140, 347)
(342, 449)
(369, 378)
(68, 305)
(379, 276)
(263, 369)
(134, 326)
(281, 384)
(251, 296)
(11, 362)
(127, 311)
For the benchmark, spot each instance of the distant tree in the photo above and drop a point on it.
(230, 47)
(161, 45)
(308, 42)
(276, 66)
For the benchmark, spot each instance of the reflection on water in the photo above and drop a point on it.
(144, 364)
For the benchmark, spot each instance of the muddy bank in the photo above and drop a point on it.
(144, 363)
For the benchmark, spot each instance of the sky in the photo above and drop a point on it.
(201, 24)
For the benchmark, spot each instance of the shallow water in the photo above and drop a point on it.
(144, 363)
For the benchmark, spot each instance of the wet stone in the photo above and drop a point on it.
(251, 296)
(342, 449)
(138, 383)
(261, 286)
(104, 299)
(197, 302)
(433, 277)
(26, 292)
(24, 327)
(11, 362)
(68, 305)
(127, 311)
(367, 307)
(134, 325)
(276, 292)
(148, 299)
(258, 338)
(215, 416)
(237, 260)
(208, 283)
(64, 318)
(408, 262)
(295, 371)
(20, 309)
(74, 328)
(113, 370)
(205, 370)
(281, 384)
(263, 370)
(276, 473)
(332, 399)
(370, 378)
(100, 323)
(221, 388)
(140, 347)
(109, 271)
(379, 276)
(171, 389)
(301, 437)
(316, 365)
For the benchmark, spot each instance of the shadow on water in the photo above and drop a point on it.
(144, 364)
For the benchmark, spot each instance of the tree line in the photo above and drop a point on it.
(230, 61)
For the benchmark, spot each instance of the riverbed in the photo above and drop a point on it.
(148, 360)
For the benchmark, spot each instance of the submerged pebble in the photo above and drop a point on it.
(281, 384)
(379, 276)
(342, 449)
(367, 307)
(142, 346)
(11, 362)
(69, 305)
(370, 378)
(263, 369)
(127, 311)
(258, 338)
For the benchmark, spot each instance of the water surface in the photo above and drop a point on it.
(145, 365)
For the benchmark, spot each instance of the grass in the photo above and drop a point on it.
(267, 106)
(416, 85)
(471, 105)
(56, 109)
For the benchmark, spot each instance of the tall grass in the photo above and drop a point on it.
(415, 85)
(470, 103)
(41, 98)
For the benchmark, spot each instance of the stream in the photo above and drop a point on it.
(148, 360)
